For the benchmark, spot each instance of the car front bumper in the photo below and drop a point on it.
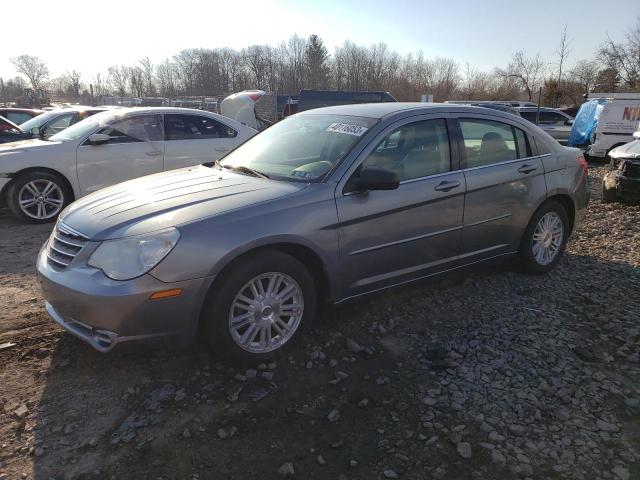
(105, 312)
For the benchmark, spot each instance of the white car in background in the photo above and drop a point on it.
(38, 178)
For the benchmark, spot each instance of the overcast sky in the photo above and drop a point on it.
(90, 36)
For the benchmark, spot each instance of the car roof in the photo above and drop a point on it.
(18, 109)
(542, 109)
(386, 110)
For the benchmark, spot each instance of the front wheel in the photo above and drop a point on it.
(545, 238)
(38, 197)
(261, 307)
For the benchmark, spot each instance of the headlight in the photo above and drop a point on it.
(130, 257)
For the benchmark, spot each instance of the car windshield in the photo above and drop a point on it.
(300, 148)
(40, 120)
(83, 128)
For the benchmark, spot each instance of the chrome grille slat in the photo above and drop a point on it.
(64, 245)
(61, 252)
(66, 241)
(57, 262)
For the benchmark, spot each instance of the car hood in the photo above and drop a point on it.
(29, 144)
(628, 150)
(168, 199)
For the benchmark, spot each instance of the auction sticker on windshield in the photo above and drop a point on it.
(355, 130)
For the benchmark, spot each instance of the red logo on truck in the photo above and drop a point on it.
(631, 113)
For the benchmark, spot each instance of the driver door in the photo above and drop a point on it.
(389, 237)
(136, 148)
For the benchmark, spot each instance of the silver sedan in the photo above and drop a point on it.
(323, 207)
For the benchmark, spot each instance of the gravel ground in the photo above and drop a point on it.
(490, 374)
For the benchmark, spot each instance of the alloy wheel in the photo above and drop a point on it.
(266, 312)
(547, 238)
(41, 199)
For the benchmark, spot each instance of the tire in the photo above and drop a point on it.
(608, 194)
(530, 261)
(55, 195)
(223, 304)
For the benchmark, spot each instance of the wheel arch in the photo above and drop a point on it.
(568, 204)
(24, 171)
(303, 253)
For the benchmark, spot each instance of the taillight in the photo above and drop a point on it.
(582, 162)
(256, 96)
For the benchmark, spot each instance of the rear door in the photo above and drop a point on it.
(134, 150)
(192, 139)
(505, 184)
(389, 237)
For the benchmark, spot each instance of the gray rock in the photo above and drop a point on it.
(320, 459)
(334, 415)
(286, 470)
(621, 472)
(498, 458)
(464, 450)
(354, 346)
(607, 427)
(180, 395)
(268, 376)
(389, 473)
(429, 401)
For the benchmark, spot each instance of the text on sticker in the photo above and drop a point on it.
(355, 130)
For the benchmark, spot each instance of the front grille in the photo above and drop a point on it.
(64, 245)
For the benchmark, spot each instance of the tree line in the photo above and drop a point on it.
(306, 63)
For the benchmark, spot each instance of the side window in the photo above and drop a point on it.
(548, 118)
(142, 128)
(58, 124)
(531, 116)
(190, 127)
(17, 117)
(414, 150)
(487, 142)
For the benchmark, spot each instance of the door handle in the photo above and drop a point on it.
(446, 186)
(527, 168)
(221, 149)
(154, 153)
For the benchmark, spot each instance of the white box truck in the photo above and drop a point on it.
(617, 120)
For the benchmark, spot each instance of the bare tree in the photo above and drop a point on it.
(136, 81)
(74, 82)
(34, 68)
(585, 73)
(563, 52)
(99, 85)
(147, 73)
(119, 77)
(624, 57)
(529, 71)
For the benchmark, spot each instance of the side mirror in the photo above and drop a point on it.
(636, 134)
(373, 178)
(569, 122)
(99, 139)
(35, 131)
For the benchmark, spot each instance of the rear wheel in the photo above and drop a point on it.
(262, 306)
(38, 197)
(545, 238)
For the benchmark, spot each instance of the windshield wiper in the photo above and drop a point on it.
(243, 169)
